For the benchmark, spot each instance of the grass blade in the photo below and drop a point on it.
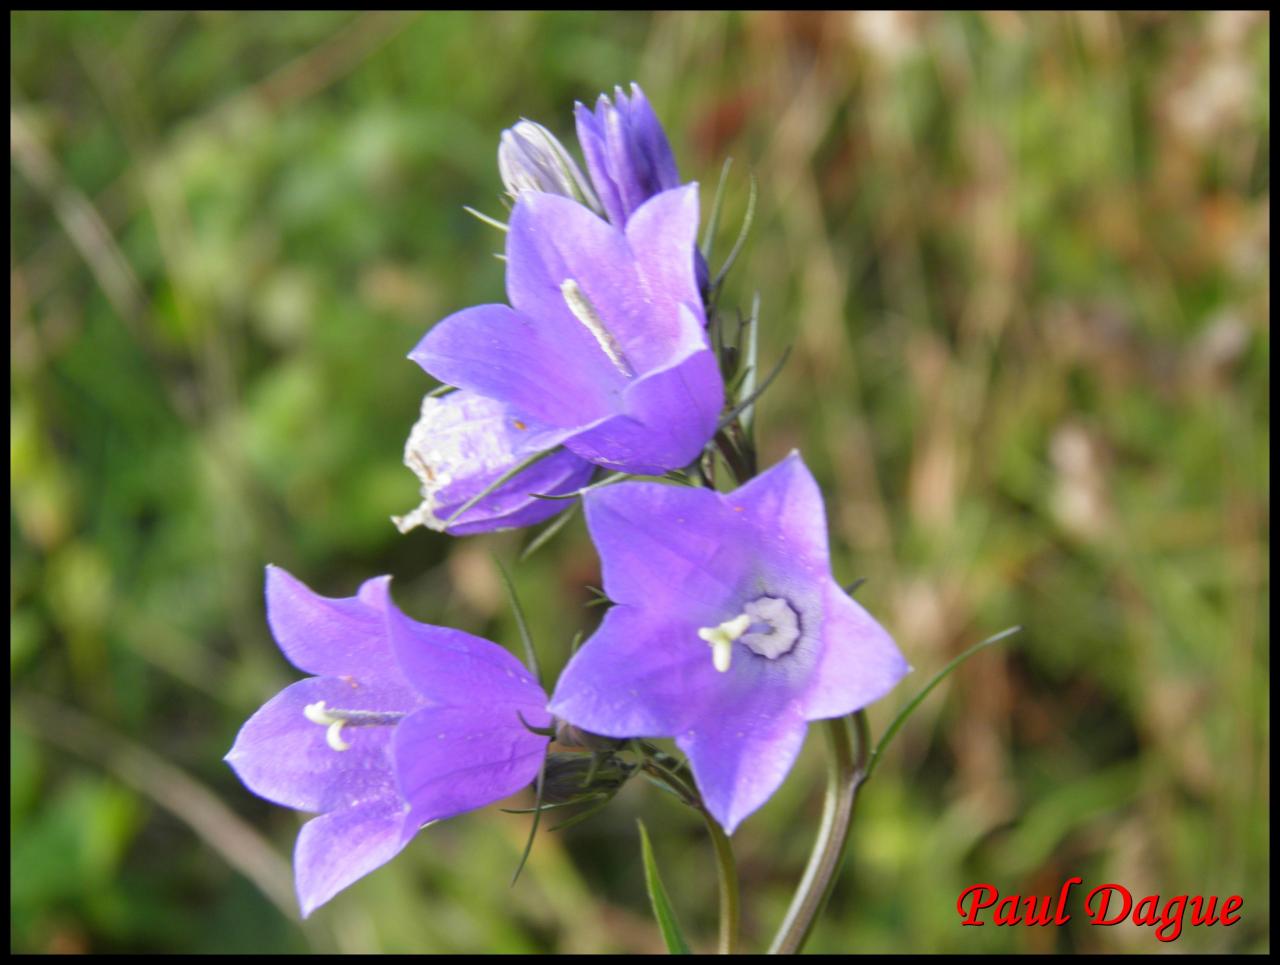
(530, 655)
(937, 679)
(662, 910)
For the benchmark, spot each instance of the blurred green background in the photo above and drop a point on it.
(1023, 262)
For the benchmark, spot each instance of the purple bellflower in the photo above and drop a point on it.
(728, 631)
(627, 152)
(403, 724)
(629, 158)
(461, 444)
(604, 347)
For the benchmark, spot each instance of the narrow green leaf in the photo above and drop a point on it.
(608, 480)
(750, 400)
(440, 390)
(501, 480)
(713, 219)
(662, 909)
(493, 222)
(584, 814)
(751, 364)
(530, 655)
(937, 679)
(736, 250)
(537, 816)
(550, 530)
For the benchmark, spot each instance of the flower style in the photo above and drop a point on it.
(403, 724)
(461, 444)
(604, 346)
(728, 631)
(627, 152)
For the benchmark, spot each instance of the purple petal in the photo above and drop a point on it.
(741, 754)
(641, 674)
(327, 635)
(627, 152)
(859, 662)
(552, 373)
(462, 442)
(632, 281)
(452, 668)
(655, 162)
(784, 506)
(459, 758)
(668, 548)
(341, 847)
(284, 757)
(667, 419)
(661, 233)
(591, 137)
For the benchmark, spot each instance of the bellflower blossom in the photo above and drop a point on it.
(627, 152)
(604, 346)
(461, 444)
(403, 724)
(728, 632)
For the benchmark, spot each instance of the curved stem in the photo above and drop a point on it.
(727, 875)
(726, 865)
(846, 770)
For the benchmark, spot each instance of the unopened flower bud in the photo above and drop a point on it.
(574, 777)
(571, 736)
(530, 158)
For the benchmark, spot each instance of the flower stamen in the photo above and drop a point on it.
(586, 313)
(334, 720)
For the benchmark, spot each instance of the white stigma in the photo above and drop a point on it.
(318, 714)
(721, 639)
(586, 313)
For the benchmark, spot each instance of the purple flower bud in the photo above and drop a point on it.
(728, 632)
(530, 158)
(627, 152)
(403, 724)
(462, 443)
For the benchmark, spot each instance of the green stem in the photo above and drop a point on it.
(727, 874)
(726, 865)
(846, 770)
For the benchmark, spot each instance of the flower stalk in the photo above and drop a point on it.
(848, 745)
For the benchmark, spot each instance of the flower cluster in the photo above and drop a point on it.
(727, 631)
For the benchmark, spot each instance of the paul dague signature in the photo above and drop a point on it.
(1098, 908)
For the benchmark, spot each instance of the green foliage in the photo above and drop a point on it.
(1022, 262)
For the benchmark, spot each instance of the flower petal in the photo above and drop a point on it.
(327, 635)
(341, 847)
(668, 548)
(632, 284)
(627, 152)
(741, 755)
(459, 758)
(784, 506)
(453, 668)
(461, 443)
(668, 417)
(551, 372)
(639, 675)
(283, 756)
(859, 662)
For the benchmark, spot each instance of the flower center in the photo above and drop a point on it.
(335, 719)
(586, 313)
(768, 626)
